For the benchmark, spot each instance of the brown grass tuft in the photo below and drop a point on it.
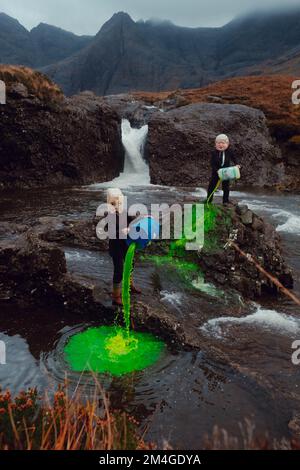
(270, 93)
(65, 423)
(36, 83)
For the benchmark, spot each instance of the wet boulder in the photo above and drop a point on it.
(47, 139)
(180, 142)
(254, 237)
(71, 233)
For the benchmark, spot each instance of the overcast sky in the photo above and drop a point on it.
(87, 16)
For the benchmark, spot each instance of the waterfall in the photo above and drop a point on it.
(134, 143)
(136, 171)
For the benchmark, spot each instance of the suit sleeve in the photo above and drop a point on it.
(130, 219)
(213, 162)
(233, 158)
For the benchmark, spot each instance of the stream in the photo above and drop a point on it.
(183, 395)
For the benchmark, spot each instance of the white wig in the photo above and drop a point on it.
(113, 193)
(116, 193)
(222, 138)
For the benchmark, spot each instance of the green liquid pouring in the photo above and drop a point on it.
(126, 284)
(111, 349)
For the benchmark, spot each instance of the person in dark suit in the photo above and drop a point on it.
(221, 157)
(118, 246)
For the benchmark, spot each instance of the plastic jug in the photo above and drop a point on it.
(230, 173)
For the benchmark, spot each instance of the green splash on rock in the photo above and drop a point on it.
(186, 263)
(212, 216)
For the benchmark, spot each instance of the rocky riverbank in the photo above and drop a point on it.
(47, 139)
(33, 270)
(270, 94)
(181, 140)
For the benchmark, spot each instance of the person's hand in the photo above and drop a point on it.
(239, 166)
(125, 231)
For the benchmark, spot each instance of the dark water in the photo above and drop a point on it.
(184, 395)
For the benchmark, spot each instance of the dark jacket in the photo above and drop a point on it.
(119, 246)
(216, 159)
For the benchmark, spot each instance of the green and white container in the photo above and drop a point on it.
(230, 173)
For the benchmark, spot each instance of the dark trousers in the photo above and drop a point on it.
(118, 260)
(117, 251)
(213, 183)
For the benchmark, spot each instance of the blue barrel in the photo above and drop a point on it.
(143, 232)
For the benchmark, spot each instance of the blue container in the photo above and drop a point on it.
(143, 232)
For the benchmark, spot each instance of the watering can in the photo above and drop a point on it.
(143, 231)
(230, 173)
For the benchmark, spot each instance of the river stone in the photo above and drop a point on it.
(247, 217)
(257, 224)
(180, 142)
(241, 209)
(19, 90)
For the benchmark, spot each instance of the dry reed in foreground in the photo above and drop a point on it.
(70, 423)
(29, 422)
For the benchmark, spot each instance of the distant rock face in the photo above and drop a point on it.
(55, 44)
(126, 56)
(17, 47)
(41, 46)
(61, 142)
(180, 142)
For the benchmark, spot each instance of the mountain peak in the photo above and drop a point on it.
(265, 14)
(9, 21)
(5, 16)
(45, 27)
(118, 19)
(121, 15)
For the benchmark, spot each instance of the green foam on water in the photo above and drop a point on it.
(111, 349)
